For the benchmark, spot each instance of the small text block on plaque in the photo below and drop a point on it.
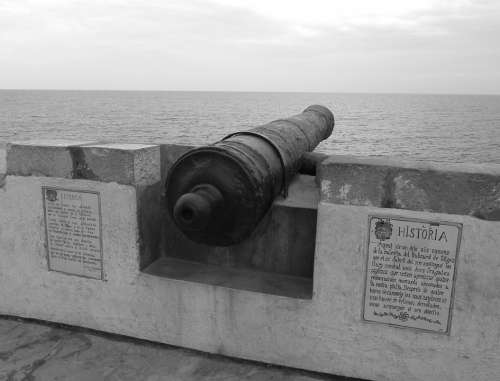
(73, 228)
(410, 272)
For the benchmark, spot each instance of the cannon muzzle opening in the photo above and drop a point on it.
(195, 210)
(218, 193)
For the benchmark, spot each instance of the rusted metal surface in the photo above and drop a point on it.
(218, 193)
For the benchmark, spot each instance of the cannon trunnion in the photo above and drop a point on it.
(217, 194)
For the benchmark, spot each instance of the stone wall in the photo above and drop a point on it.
(3, 160)
(318, 322)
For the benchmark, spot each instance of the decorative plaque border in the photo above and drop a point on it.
(384, 232)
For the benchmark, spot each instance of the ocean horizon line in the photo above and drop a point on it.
(251, 92)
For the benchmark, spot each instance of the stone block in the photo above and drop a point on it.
(135, 164)
(351, 181)
(129, 164)
(51, 158)
(476, 194)
(442, 188)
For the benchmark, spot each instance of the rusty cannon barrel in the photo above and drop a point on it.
(218, 193)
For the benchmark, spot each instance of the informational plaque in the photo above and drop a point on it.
(73, 228)
(410, 272)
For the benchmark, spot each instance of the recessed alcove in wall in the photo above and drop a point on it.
(278, 258)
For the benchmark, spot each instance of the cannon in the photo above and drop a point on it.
(217, 194)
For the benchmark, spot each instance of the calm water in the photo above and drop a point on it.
(457, 128)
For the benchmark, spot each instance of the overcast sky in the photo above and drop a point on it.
(422, 46)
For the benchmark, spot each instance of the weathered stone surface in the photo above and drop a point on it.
(32, 351)
(41, 158)
(232, 278)
(131, 164)
(445, 188)
(135, 164)
(3, 160)
(302, 192)
(352, 182)
(324, 333)
(471, 351)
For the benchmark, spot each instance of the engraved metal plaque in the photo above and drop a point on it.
(410, 272)
(73, 231)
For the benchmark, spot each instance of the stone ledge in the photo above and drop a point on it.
(302, 193)
(129, 164)
(48, 158)
(387, 161)
(466, 189)
(232, 278)
(135, 164)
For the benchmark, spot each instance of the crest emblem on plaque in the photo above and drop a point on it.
(51, 194)
(383, 229)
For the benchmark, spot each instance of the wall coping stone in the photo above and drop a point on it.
(50, 143)
(389, 161)
(453, 188)
(122, 146)
(124, 163)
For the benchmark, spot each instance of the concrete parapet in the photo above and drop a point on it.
(41, 158)
(123, 163)
(135, 164)
(467, 189)
(298, 293)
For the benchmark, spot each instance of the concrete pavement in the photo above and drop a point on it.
(31, 350)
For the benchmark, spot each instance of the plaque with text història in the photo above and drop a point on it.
(410, 272)
(73, 231)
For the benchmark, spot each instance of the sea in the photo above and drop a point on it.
(444, 128)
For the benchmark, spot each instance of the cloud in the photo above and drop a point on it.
(355, 45)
